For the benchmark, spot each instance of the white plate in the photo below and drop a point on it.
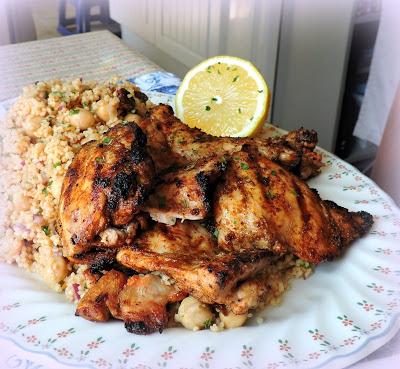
(343, 312)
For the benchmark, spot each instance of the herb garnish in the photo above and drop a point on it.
(45, 189)
(99, 159)
(73, 111)
(235, 79)
(216, 233)
(46, 230)
(240, 111)
(208, 108)
(208, 323)
(269, 195)
(273, 173)
(55, 165)
(213, 99)
(107, 140)
(244, 166)
(260, 91)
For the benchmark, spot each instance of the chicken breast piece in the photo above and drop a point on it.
(185, 193)
(143, 303)
(188, 253)
(101, 301)
(261, 205)
(105, 185)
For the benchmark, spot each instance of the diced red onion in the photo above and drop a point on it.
(75, 287)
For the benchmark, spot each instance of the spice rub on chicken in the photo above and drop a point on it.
(164, 215)
(258, 204)
(173, 143)
(103, 189)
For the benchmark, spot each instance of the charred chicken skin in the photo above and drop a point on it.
(242, 205)
(261, 205)
(172, 143)
(103, 189)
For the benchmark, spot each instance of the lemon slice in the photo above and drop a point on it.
(223, 96)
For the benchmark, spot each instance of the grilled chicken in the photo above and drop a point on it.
(172, 143)
(143, 303)
(261, 205)
(104, 187)
(185, 193)
(101, 301)
(244, 203)
(188, 253)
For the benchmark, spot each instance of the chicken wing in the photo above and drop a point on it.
(104, 187)
(259, 204)
(173, 143)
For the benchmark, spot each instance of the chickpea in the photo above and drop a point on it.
(83, 119)
(193, 314)
(31, 125)
(106, 110)
(232, 320)
(59, 269)
(133, 118)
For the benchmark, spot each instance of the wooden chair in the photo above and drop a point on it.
(83, 18)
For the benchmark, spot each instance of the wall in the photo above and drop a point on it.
(311, 67)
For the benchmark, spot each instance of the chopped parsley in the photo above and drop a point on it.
(236, 158)
(99, 159)
(235, 79)
(260, 91)
(107, 140)
(218, 71)
(273, 173)
(251, 118)
(46, 230)
(269, 195)
(125, 122)
(162, 202)
(304, 264)
(213, 99)
(208, 323)
(216, 233)
(223, 160)
(74, 111)
(244, 166)
(85, 104)
(208, 108)
(45, 189)
(55, 165)
(240, 111)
